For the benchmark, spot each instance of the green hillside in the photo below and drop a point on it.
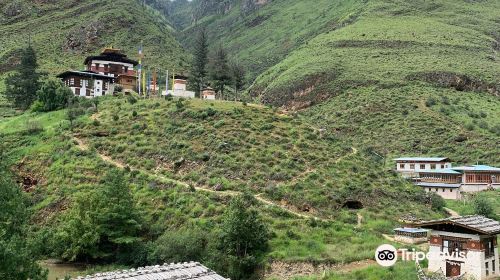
(178, 153)
(64, 32)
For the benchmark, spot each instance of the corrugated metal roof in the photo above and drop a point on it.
(474, 222)
(439, 185)
(423, 159)
(477, 168)
(440, 171)
(178, 271)
(410, 230)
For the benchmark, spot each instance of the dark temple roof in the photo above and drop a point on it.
(179, 271)
(85, 74)
(111, 55)
(475, 223)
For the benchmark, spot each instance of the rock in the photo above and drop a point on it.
(178, 163)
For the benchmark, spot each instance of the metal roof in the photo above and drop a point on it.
(423, 159)
(440, 171)
(411, 230)
(477, 168)
(438, 185)
(178, 271)
(474, 222)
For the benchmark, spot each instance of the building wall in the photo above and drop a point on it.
(475, 187)
(114, 67)
(180, 93)
(473, 264)
(407, 167)
(446, 193)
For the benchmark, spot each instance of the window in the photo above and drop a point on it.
(430, 189)
(489, 249)
(442, 166)
(72, 81)
(487, 270)
(412, 166)
(422, 166)
(401, 166)
(493, 267)
(453, 246)
(433, 166)
(436, 189)
(443, 189)
(451, 190)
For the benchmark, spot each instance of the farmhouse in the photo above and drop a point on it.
(411, 166)
(180, 88)
(88, 84)
(463, 245)
(185, 271)
(450, 183)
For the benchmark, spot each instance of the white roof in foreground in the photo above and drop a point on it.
(177, 271)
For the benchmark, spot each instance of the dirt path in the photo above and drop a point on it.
(452, 213)
(84, 147)
(354, 152)
(286, 270)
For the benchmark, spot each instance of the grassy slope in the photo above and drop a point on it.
(364, 71)
(263, 38)
(124, 25)
(238, 151)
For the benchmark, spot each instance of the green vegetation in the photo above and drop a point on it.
(401, 271)
(234, 157)
(484, 203)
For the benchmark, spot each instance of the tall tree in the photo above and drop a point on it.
(17, 261)
(243, 240)
(199, 68)
(238, 78)
(103, 224)
(219, 70)
(21, 86)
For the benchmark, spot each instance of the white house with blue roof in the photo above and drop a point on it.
(411, 166)
(450, 183)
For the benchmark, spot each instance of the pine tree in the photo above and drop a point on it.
(219, 70)
(199, 68)
(21, 86)
(238, 78)
(243, 240)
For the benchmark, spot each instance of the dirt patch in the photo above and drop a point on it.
(456, 81)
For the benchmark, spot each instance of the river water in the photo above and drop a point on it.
(57, 271)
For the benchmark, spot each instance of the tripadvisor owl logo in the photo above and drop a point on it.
(386, 255)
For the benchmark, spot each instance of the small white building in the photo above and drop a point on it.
(411, 166)
(180, 89)
(208, 94)
(463, 245)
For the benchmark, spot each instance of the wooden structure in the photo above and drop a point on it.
(463, 245)
(184, 271)
(450, 183)
(88, 84)
(112, 62)
(411, 166)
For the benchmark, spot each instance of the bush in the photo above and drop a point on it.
(430, 102)
(33, 127)
(180, 246)
(469, 126)
(52, 95)
(134, 114)
(116, 118)
(483, 207)
(131, 99)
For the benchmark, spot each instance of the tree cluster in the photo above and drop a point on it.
(216, 70)
(24, 88)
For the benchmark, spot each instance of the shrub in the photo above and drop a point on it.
(116, 118)
(131, 99)
(96, 123)
(430, 102)
(483, 207)
(134, 113)
(53, 95)
(33, 127)
(469, 126)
